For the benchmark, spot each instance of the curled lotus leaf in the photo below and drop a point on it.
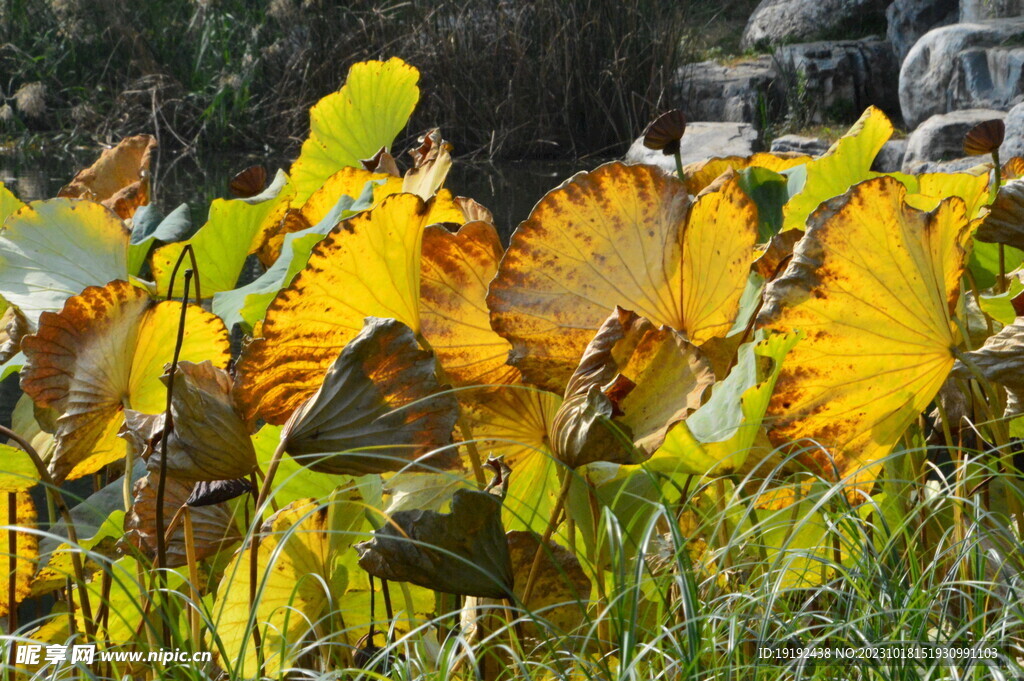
(209, 440)
(374, 265)
(21, 514)
(1000, 360)
(119, 179)
(354, 123)
(13, 326)
(584, 431)
(206, 493)
(1004, 222)
(51, 250)
(701, 174)
(624, 236)
(463, 552)
(431, 162)
(380, 408)
(213, 527)
(249, 182)
(102, 354)
(873, 285)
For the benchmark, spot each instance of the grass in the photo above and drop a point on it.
(698, 580)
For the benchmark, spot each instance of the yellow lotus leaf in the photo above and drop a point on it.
(622, 236)
(18, 473)
(873, 286)
(213, 527)
(354, 123)
(456, 269)
(24, 423)
(21, 514)
(51, 250)
(234, 229)
(516, 422)
(931, 188)
(701, 174)
(300, 577)
(119, 179)
(846, 163)
(9, 203)
(103, 353)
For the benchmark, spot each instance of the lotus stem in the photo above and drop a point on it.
(12, 563)
(563, 493)
(193, 577)
(254, 544)
(65, 514)
(679, 165)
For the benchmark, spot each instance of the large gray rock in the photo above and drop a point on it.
(938, 143)
(908, 20)
(785, 21)
(837, 80)
(810, 146)
(702, 141)
(890, 158)
(745, 92)
(963, 66)
(1013, 143)
(979, 10)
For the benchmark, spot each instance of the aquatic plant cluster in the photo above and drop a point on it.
(762, 403)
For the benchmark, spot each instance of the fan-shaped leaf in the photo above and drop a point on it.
(102, 354)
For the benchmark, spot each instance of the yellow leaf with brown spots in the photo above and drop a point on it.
(23, 517)
(9, 203)
(622, 236)
(103, 353)
(456, 269)
(873, 285)
(701, 174)
(119, 179)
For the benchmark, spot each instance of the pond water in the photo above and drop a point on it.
(508, 189)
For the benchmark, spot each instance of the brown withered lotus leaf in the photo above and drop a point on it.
(1013, 168)
(455, 273)
(119, 179)
(474, 211)
(664, 132)
(653, 376)
(464, 552)
(379, 408)
(249, 182)
(207, 493)
(1000, 360)
(873, 286)
(624, 236)
(213, 529)
(583, 431)
(209, 441)
(700, 174)
(431, 162)
(102, 354)
(984, 138)
(13, 326)
(561, 590)
(1004, 222)
(777, 254)
(381, 162)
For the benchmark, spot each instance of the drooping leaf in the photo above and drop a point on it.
(13, 327)
(457, 268)
(300, 578)
(27, 543)
(380, 408)
(1004, 222)
(1000, 306)
(845, 164)
(620, 236)
(701, 174)
(119, 179)
(1000, 360)
(209, 440)
(462, 552)
(234, 229)
(102, 354)
(873, 285)
(768, 190)
(213, 528)
(51, 250)
(561, 590)
(354, 123)
(722, 434)
(150, 226)
(432, 161)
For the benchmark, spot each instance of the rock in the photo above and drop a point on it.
(979, 10)
(744, 92)
(837, 80)
(939, 141)
(963, 66)
(701, 141)
(811, 146)
(785, 21)
(890, 158)
(1013, 143)
(908, 20)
